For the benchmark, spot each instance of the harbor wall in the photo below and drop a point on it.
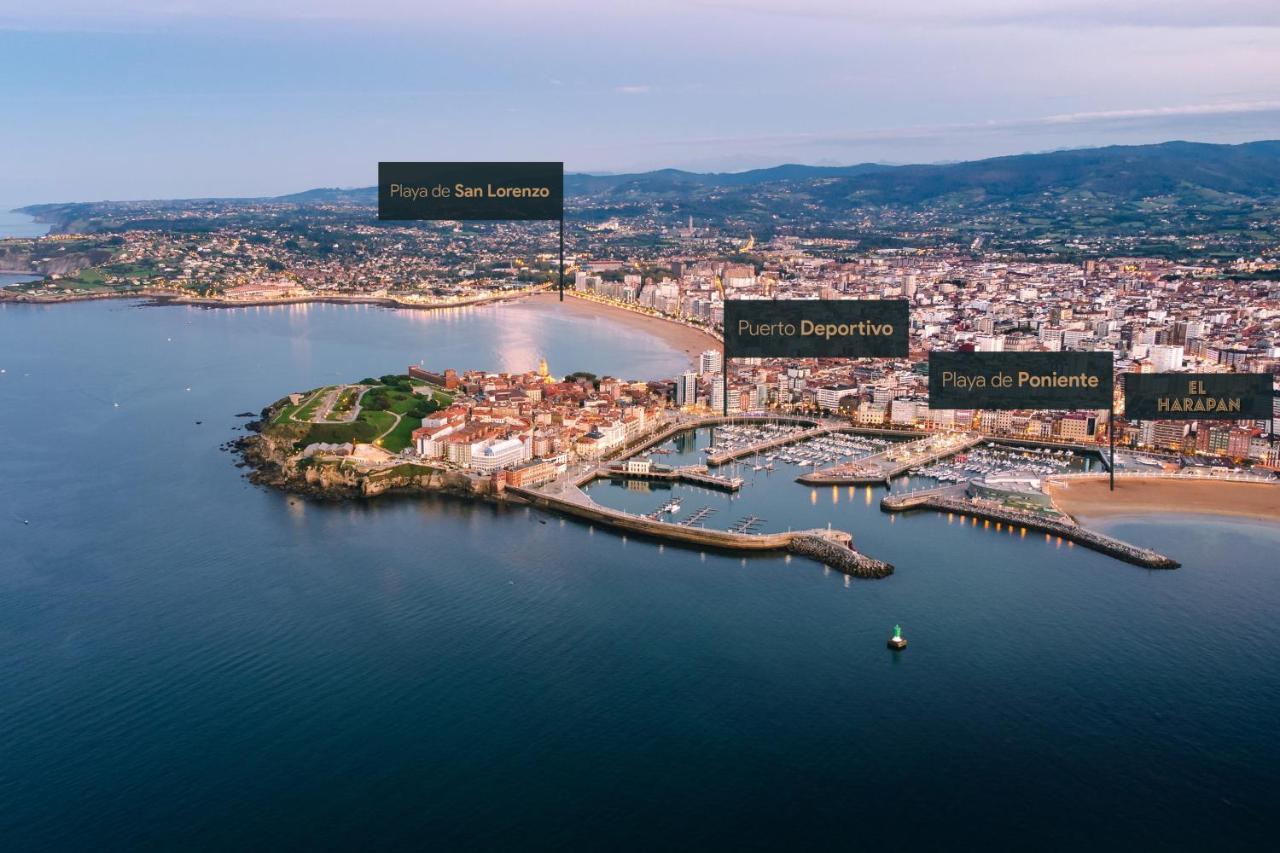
(1075, 533)
(827, 547)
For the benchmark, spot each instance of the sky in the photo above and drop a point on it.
(195, 98)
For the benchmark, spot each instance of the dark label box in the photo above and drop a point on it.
(816, 328)
(511, 191)
(1020, 380)
(1197, 396)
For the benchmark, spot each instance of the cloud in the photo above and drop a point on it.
(149, 15)
(642, 89)
(942, 131)
(1018, 13)
(1228, 108)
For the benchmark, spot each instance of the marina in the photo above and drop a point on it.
(996, 482)
(895, 460)
(700, 515)
(994, 459)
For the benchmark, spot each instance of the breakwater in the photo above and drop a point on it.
(840, 557)
(1092, 539)
(833, 548)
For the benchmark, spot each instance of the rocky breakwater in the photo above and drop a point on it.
(1053, 525)
(839, 556)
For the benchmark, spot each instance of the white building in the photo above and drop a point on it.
(829, 396)
(687, 389)
(1166, 358)
(494, 455)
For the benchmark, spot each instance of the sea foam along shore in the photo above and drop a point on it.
(1088, 498)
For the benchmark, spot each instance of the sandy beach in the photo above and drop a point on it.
(1086, 499)
(688, 340)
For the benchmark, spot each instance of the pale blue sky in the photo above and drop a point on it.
(188, 98)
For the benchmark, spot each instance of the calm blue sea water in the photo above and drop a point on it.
(191, 662)
(19, 224)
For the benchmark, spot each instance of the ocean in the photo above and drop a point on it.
(19, 224)
(194, 662)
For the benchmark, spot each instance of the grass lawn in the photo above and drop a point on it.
(310, 407)
(381, 404)
(380, 421)
(402, 436)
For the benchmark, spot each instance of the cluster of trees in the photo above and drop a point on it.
(393, 391)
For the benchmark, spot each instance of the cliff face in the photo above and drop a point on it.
(23, 259)
(271, 455)
(413, 478)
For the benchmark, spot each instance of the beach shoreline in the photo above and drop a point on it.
(1088, 500)
(692, 342)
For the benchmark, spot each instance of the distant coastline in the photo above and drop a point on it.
(686, 338)
(16, 224)
(168, 297)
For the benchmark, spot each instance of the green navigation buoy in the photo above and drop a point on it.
(897, 642)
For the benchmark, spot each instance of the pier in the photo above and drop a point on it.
(697, 517)
(714, 459)
(833, 548)
(884, 466)
(948, 500)
(640, 445)
(693, 474)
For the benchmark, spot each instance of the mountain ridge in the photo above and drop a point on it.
(1166, 165)
(1236, 167)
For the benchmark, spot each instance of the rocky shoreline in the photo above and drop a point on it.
(272, 464)
(272, 460)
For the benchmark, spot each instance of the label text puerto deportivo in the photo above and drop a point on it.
(808, 328)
